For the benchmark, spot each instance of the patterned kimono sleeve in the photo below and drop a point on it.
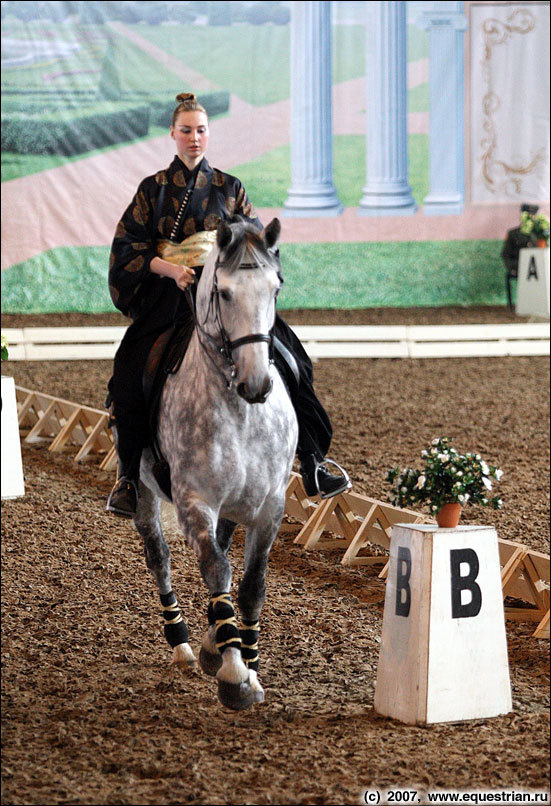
(244, 207)
(133, 249)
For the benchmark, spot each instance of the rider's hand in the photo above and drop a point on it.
(183, 276)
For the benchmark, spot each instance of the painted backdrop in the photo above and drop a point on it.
(87, 93)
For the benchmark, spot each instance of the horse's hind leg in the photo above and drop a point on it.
(252, 590)
(157, 557)
(209, 656)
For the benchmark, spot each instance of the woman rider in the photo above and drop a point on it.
(185, 203)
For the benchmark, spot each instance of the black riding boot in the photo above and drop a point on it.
(318, 481)
(123, 499)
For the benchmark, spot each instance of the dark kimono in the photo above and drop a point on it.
(154, 303)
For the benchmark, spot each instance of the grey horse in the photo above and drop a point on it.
(228, 431)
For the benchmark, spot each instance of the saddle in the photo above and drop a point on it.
(165, 358)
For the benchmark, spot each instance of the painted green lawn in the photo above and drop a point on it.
(268, 177)
(248, 60)
(399, 274)
(418, 98)
(320, 275)
(63, 279)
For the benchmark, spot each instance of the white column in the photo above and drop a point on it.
(446, 160)
(386, 191)
(312, 192)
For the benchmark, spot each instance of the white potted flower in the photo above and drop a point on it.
(447, 481)
(536, 225)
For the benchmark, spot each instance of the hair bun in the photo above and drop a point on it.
(185, 96)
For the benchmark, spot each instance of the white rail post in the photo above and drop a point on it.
(13, 485)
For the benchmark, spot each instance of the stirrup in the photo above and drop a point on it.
(119, 486)
(346, 484)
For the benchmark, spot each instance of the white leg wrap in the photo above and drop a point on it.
(182, 655)
(233, 670)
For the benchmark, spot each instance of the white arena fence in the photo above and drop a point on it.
(320, 341)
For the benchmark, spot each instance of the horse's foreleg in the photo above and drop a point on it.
(210, 658)
(252, 592)
(222, 639)
(157, 557)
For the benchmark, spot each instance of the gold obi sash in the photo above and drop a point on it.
(191, 252)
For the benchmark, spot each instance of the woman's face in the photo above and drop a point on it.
(191, 135)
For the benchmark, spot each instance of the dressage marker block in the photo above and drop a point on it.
(443, 655)
(13, 485)
(533, 283)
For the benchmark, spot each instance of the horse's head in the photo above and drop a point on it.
(238, 295)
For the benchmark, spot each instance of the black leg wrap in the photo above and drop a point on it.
(175, 629)
(227, 632)
(249, 643)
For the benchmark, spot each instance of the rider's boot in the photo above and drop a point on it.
(123, 498)
(318, 481)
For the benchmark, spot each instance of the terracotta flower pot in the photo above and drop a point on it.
(448, 516)
(542, 243)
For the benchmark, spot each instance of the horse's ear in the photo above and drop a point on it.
(271, 233)
(223, 235)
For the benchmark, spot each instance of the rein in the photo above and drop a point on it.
(228, 346)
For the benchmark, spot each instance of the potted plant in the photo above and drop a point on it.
(447, 481)
(536, 226)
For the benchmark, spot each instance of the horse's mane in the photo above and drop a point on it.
(245, 237)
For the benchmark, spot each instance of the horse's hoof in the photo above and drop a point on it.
(183, 657)
(210, 663)
(238, 696)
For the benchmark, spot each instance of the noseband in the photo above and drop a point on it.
(228, 346)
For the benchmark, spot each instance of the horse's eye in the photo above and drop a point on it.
(225, 295)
